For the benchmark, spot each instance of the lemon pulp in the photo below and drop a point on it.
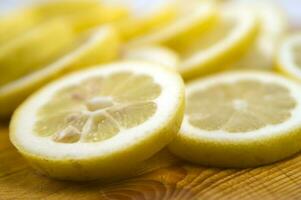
(98, 108)
(238, 107)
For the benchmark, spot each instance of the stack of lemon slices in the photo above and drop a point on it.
(104, 122)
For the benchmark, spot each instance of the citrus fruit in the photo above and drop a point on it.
(240, 119)
(155, 54)
(288, 61)
(144, 16)
(99, 123)
(64, 7)
(95, 17)
(33, 49)
(272, 28)
(190, 19)
(16, 23)
(220, 44)
(81, 14)
(47, 53)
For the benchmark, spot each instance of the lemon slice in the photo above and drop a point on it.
(44, 56)
(240, 119)
(155, 54)
(81, 14)
(101, 122)
(64, 7)
(225, 41)
(191, 19)
(33, 49)
(273, 26)
(94, 17)
(288, 61)
(14, 24)
(144, 16)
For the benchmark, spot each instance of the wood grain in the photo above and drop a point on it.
(165, 178)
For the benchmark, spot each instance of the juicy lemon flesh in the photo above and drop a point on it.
(205, 40)
(36, 50)
(238, 107)
(98, 108)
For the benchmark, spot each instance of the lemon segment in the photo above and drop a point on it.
(225, 41)
(155, 54)
(288, 58)
(272, 27)
(98, 46)
(240, 119)
(87, 125)
(190, 20)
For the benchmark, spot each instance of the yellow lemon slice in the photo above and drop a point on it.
(81, 14)
(144, 16)
(12, 25)
(64, 7)
(155, 54)
(288, 61)
(190, 20)
(99, 123)
(33, 49)
(47, 53)
(272, 28)
(95, 17)
(240, 119)
(223, 42)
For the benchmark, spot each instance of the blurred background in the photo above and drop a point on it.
(291, 7)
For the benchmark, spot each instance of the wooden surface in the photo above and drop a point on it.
(179, 181)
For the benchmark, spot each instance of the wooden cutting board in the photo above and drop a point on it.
(166, 178)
